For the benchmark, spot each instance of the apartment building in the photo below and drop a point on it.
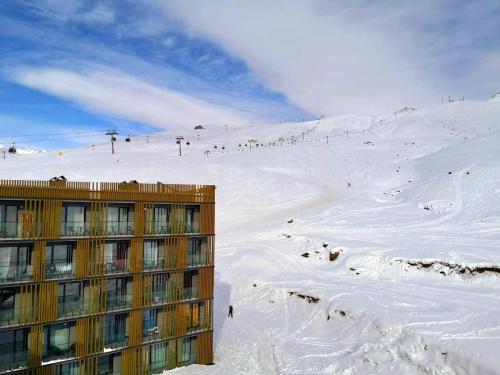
(105, 278)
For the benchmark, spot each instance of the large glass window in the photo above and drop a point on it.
(150, 328)
(71, 299)
(15, 263)
(117, 293)
(115, 330)
(116, 256)
(189, 350)
(59, 259)
(195, 257)
(191, 284)
(73, 220)
(158, 357)
(59, 340)
(161, 219)
(160, 287)
(118, 221)
(193, 219)
(13, 348)
(9, 221)
(193, 316)
(153, 254)
(110, 364)
(7, 305)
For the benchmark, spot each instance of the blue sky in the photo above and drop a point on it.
(87, 66)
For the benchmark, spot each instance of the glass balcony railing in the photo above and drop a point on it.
(188, 359)
(120, 228)
(10, 360)
(76, 307)
(151, 333)
(118, 302)
(191, 293)
(59, 270)
(192, 227)
(116, 265)
(10, 230)
(59, 351)
(9, 272)
(110, 228)
(113, 339)
(149, 264)
(160, 296)
(199, 259)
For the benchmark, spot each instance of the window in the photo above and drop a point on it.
(15, 262)
(150, 323)
(59, 340)
(117, 296)
(160, 287)
(158, 357)
(115, 329)
(13, 348)
(192, 219)
(194, 251)
(73, 220)
(193, 316)
(161, 219)
(189, 350)
(59, 260)
(190, 284)
(153, 254)
(116, 256)
(7, 303)
(118, 218)
(9, 220)
(71, 300)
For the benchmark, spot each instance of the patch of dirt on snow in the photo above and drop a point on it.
(446, 268)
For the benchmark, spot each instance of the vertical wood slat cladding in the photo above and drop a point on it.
(147, 290)
(82, 258)
(136, 254)
(98, 218)
(90, 258)
(72, 190)
(206, 279)
(181, 316)
(135, 327)
(31, 219)
(38, 302)
(51, 219)
(176, 287)
(89, 335)
(207, 216)
(97, 296)
(135, 361)
(169, 321)
(205, 348)
(39, 251)
(35, 338)
(139, 219)
(148, 219)
(181, 252)
(177, 218)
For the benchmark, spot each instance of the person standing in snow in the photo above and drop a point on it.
(230, 311)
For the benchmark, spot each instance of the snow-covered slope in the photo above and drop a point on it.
(410, 201)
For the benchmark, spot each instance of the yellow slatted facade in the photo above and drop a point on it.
(40, 221)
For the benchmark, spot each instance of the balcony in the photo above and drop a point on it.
(198, 259)
(12, 360)
(10, 230)
(11, 273)
(59, 270)
(192, 227)
(115, 265)
(109, 228)
(120, 228)
(151, 264)
(67, 309)
(118, 302)
(160, 296)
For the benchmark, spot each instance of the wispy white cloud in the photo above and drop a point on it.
(352, 56)
(123, 96)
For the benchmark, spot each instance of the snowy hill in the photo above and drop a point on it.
(410, 201)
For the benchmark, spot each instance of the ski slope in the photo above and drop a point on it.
(422, 205)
